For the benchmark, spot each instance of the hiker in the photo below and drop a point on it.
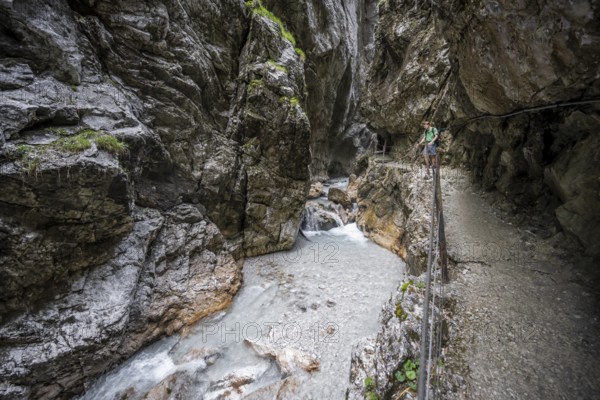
(430, 135)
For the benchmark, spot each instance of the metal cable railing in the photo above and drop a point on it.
(433, 315)
(432, 323)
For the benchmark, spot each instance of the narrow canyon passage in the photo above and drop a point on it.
(318, 298)
(148, 150)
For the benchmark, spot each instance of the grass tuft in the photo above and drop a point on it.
(30, 157)
(110, 144)
(59, 131)
(259, 9)
(278, 67)
(254, 84)
(72, 144)
(301, 53)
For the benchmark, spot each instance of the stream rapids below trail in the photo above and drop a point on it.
(314, 301)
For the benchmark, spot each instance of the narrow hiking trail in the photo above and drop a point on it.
(525, 320)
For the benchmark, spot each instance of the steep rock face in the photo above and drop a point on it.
(410, 71)
(49, 231)
(337, 37)
(517, 55)
(275, 152)
(394, 207)
(452, 61)
(141, 161)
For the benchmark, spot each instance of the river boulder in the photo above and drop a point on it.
(339, 196)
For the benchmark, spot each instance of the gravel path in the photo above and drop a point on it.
(525, 323)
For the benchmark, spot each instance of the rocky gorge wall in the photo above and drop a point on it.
(337, 37)
(453, 61)
(145, 149)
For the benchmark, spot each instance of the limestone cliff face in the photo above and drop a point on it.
(337, 37)
(451, 61)
(394, 204)
(145, 148)
(410, 70)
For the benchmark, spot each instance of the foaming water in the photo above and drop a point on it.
(149, 366)
(318, 298)
(341, 183)
(348, 232)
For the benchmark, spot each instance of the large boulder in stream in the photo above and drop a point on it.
(316, 191)
(339, 196)
(288, 360)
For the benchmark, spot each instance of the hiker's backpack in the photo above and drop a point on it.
(438, 141)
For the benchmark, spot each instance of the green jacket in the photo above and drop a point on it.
(430, 133)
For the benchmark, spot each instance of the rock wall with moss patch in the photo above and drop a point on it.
(145, 149)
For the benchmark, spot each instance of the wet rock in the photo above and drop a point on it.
(49, 231)
(270, 119)
(172, 387)
(337, 37)
(339, 196)
(102, 253)
(288, 359)
(235, 384)
(316, 218)
(280, 390)
(15, 75)
(186, 266)
(316, 191)
(394, 211)
(88, 322)
(126, 394)
(352, 189)
(340, 211)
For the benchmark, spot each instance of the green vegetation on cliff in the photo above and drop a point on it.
(257, 8)
(30, 156)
